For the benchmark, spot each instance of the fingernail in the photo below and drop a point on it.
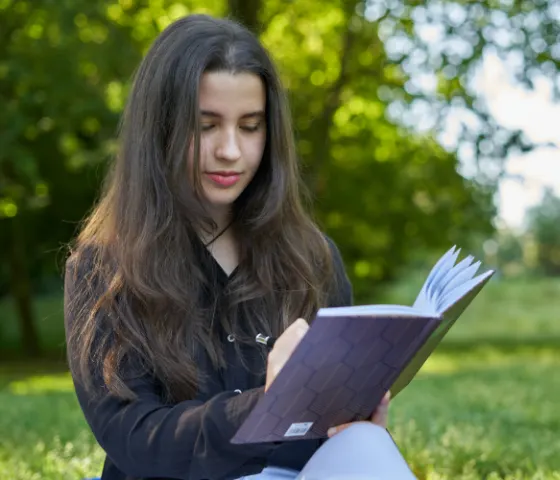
(331, 431)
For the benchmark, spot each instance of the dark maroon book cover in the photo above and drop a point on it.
(337, 374)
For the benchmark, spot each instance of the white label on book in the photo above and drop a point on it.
(298, 429)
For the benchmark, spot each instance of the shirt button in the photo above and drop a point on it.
(231, 338)
(238, 391)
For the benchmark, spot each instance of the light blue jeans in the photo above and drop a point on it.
(273, 473)
(363, 451)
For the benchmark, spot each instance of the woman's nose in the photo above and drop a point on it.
(228, 149)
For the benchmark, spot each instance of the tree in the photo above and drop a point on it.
(544, 224)
(62, 77)
(379, 186)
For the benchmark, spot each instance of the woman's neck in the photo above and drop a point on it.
(222, 217)
(222, 243)
(223, 220)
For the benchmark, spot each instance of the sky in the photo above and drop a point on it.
(512, 105)
(535, 112)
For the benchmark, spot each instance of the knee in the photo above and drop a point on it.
(362, 430)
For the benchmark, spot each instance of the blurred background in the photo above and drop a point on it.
(419, 124)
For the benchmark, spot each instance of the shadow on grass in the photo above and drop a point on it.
(503, 344)
(15, 367)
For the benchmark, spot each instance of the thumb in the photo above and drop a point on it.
(299, 328)
(382, 412)
(301, 323)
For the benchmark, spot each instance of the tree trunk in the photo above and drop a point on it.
(21, 288)
(324, 121)
(247, 13)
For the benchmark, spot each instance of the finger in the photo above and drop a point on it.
(292, 335)
(386, 398)
(380, 417)
(334, 430)
(300, 326)
(287, 343)
(384, 403)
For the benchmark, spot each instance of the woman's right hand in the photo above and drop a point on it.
(283, 349)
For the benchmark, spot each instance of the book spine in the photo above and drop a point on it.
(411, 367)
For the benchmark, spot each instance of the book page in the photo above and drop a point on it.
(452, 297)
(446, 283)
(374, 310)
(460, 273)
(424, 301)
(435, 285)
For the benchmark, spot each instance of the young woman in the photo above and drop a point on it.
(199, 243)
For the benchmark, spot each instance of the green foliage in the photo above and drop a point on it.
(380, 188)
(510, 251)
(544, 221)
(446, 41)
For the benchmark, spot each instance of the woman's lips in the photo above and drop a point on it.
(224, 179)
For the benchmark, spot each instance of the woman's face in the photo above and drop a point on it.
(232, 109)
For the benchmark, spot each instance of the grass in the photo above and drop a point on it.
(485, 406)
(484, 414)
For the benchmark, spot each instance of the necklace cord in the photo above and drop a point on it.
(219, 234)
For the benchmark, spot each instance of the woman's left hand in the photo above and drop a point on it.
(379, 417)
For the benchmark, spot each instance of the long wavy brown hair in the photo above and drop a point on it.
(137, 285)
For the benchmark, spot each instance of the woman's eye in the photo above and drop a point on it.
(251, 128)
(206, 127)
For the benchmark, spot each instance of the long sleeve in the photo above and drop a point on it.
(190, 440)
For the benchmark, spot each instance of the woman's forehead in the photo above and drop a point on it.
(224, 94)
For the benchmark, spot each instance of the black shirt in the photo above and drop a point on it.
(149, 439)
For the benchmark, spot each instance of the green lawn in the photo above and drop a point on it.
(484, 407)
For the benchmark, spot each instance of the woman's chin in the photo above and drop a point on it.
(222, 201)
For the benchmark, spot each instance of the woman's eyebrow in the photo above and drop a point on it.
(256, 113)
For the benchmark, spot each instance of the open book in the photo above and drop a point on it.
(351, 356)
